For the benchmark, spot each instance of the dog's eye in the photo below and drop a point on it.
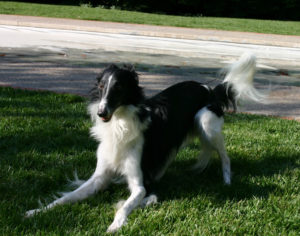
(101, 86)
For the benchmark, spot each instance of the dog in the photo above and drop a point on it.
(139, 137)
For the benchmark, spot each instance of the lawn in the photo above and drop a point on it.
(85, 12)
(44, 137)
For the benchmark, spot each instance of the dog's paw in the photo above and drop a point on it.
(116, 224)
(31, 213)
(227, 177)
(150, 200)
(227, 180)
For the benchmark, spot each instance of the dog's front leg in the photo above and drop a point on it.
(98, 181)
(135, 182)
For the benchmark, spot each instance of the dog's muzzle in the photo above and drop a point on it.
(104, 114)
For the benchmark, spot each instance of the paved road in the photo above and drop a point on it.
(68, 61)
(59, 40)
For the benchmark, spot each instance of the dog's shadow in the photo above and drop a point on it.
(249, 179)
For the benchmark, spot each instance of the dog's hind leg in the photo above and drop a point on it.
(210, 127)
(218, 143)
(204, 157)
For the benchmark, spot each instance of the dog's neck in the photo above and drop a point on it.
(138, 96)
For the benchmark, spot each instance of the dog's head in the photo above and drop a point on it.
(116, 87)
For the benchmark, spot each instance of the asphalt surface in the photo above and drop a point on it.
(65, 55)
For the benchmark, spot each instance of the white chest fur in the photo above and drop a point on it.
(120, 137)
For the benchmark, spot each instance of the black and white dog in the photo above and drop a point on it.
(139, 137)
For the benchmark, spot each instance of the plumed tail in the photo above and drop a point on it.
(238, 83)
(239, 78)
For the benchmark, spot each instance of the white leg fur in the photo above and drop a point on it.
(99, 180)
(204, 157)
(93, 185)
(134, 177)
(210, 128)
(147, 201)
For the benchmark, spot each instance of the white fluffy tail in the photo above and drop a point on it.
(240, 78)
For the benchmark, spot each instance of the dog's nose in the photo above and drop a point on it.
(102, 113)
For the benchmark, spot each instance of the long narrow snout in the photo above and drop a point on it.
(104, 112)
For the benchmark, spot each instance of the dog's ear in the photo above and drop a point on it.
(131, 69)
(112, 67)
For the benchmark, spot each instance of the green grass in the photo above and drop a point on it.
(89, 13)
(44, 137)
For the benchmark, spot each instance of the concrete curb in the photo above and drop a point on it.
(153, 31)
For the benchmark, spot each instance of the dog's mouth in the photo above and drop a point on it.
(106, 118)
